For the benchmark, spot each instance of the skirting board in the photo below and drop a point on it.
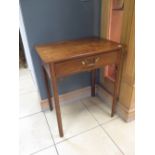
(86, 92)
(69, 97)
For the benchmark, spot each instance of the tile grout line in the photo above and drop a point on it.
(95, 118)
(82, 132)
(99, 125)
(33, 91)
(108, 121)
(89, 112)
(29, 115)
(20, 118)
(112, 140)
(104, 129)
(49, 131)
(51, 134)
(99, 106)
(41, 149)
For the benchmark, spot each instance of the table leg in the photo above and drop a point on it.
(47, 88)
(115, 94)
(56, 99)
(93, 81)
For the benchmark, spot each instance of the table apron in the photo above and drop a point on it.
(88, 63)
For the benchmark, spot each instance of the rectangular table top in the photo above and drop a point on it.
(60, 51)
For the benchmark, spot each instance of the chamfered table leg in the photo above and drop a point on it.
(56, 99)
(47, 88)
(93, 81)
(115, 94)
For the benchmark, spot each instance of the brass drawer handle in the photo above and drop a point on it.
(86, 62)
(83, 62)
(97, 59)
(91, 65)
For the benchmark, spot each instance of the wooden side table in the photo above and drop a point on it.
(69, 57)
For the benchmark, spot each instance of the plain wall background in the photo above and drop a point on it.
(56, 20)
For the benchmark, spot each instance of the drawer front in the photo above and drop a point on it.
(85, 64)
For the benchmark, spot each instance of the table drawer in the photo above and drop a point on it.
(86, 63)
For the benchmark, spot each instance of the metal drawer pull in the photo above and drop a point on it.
(83, 62)
(86, 62)
(91, 65)
(97, 59)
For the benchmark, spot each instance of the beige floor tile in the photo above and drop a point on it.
(75, 118)
(29, 104)
(123, 134)
(24, 73)
(26, 85)
(34, 134)
(100, 110)
(93, 142)
(49, 151)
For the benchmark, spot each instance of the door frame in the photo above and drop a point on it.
(105, 29)
(126, 94)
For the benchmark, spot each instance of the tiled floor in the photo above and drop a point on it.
(88, 127)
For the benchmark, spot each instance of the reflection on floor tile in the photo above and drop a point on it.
(93, 142)
(75, 118)
(34, 134)
(123, 134)
(29, 104)
(99, 110)
(48, 151)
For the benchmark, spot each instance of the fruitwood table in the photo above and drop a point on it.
(61, 59)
